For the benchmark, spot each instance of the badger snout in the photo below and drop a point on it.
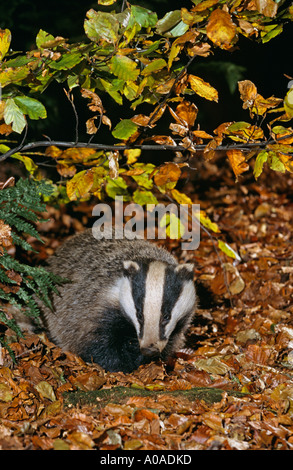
(150, 351)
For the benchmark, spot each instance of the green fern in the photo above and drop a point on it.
(20, 284)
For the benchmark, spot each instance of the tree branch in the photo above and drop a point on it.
(153, 148)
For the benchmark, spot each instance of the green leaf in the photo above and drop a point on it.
(106, 2)
(271, 31)
(145, 18)
(112, 90)
(101, 25)
(42, 38)
(169, 21)
(275, 163)
(5, 40)
(117, 187)
(171, 24)
(144, 197)
(13, 114)
(154, 66)
(124, 129)
(32, 107)
(67, 61)
(124, 68)
(259, 163)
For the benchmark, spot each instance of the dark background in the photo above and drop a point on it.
(264, 64)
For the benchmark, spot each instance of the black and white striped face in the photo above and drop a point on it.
(159, 299)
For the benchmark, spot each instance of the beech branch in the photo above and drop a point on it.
(148, 147)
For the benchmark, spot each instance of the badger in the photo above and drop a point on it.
(128, 302)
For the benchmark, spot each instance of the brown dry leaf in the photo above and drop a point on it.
(267, 7)
(88, 381)
(145, 414)
(5, 234)
(202, 49)
(80, 440)
(212, 365)
(5, 129)
(201, 134)
(237, 161)
(248, 93)
(185, 113)
(214, 421)
(95, 101)
(168, 173)
(198, 378)
(113, 158)
(163, 140)
(253, 100)
(258, 354)
(66, 170)
(90, 125)
(220, 29)
(14, 276)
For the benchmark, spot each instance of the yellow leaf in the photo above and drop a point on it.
(203, 88)
(206, 221)
(46, 390)
(29, 164)
(181, 198)
(288, 103)
(221, 30)
(80, 185)
(5, 39)
(225, 248)
(132, 155)
(237, 161)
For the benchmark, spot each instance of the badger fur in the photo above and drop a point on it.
(128, 301)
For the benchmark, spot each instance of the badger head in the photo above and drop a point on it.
(159, 299)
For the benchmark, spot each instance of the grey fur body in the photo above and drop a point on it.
(96, 314)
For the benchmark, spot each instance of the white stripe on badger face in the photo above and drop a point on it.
(154, 291)
(126, 301)
(185, 303)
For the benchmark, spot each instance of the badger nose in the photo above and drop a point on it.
(150, 351)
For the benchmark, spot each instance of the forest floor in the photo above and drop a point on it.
(230, 388)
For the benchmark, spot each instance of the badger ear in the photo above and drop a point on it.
(130, 267)
(185, 270)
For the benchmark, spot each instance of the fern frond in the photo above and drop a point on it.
(21, 206)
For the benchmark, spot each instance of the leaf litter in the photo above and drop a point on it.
(230, 388)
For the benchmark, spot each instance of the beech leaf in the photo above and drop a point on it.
(124, 129)
(5, 40)
(203, 88)
(220, 29)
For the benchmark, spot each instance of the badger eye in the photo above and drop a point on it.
(165, 318)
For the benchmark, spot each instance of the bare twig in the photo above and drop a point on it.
(71, 101)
